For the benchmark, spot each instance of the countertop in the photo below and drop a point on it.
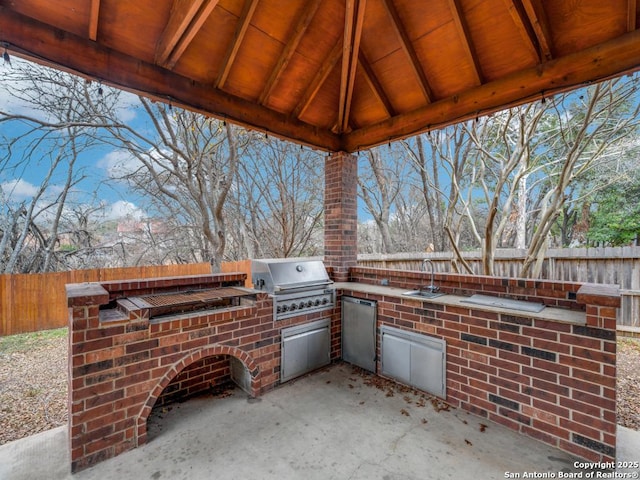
(549, 313)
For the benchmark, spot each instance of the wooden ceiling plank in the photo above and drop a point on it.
(536, 15)
(41, 43)
(632, 9)
(520, 19)
(407, 46)
(236, 42)
(467, 42)
(304, 20)
(94, 16)
(375, 85)
(318, 80)
(348, 77)
(611, 58)
(185, 19)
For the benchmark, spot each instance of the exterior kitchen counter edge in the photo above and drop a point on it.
(554, 314)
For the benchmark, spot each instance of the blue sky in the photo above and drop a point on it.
(20, 182)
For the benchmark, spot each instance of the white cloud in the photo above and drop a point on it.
(126, 107)
(8, 102)
(123, 209)
(18, 189)
(118, 164)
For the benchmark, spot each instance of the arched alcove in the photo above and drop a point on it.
(198, 372)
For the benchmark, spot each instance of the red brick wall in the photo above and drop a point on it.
(341, 214)
(550, 380)
(207, 375)
(119, 368)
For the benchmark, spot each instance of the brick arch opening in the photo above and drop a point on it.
(187, 361)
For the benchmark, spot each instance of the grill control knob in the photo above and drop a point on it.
(301, 305)
(325, 301)
(285, 308)
(317, 302)
(293, 306)
(309, 304)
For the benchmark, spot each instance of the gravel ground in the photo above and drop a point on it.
(628, 363)
(33, 383)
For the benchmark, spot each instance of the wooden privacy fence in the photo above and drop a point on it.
(611, 265)
(33, 302)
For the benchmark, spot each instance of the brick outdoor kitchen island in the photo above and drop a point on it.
(550, 375)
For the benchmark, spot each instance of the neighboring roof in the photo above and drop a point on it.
(333, 74)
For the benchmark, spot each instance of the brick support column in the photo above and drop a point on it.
(341, 214)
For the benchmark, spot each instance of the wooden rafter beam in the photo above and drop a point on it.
(50, 46)
(611, 58)
(317, 81)
(236, 42)
(94, 16)
(186, 19)
(538, 19)
(407, 46)
(520, 19)
(354, 19)
(467, 42)
(375, 85)
(298, 32)
(632, 9)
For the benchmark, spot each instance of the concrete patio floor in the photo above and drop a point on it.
(334, 424)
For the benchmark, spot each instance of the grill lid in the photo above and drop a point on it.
(286, 274)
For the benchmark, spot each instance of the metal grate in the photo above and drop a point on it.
(192, 296)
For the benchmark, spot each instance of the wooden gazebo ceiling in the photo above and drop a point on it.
(333, 74)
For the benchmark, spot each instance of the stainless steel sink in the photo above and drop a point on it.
(423, 294)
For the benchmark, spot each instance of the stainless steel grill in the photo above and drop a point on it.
(298, 285)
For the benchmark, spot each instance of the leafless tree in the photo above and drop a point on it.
(278, 205)
(591, 131)
(185, 164)
(49, 136)
(382, 177)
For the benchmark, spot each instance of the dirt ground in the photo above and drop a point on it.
(33, 383)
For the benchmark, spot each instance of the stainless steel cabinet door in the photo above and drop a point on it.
(396, 358)
(359, 332)
(304, 348)
(319, 348)
(414, 359)
(426, 369)
(294, 356)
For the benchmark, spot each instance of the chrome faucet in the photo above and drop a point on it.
(430, 288)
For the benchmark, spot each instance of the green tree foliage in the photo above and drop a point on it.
(616, 218)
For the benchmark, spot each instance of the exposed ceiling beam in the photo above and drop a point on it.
(236, 41)
(538, 18)
(354, 19)
(632, 8)
(407, 46)
(375, 85)
(50, 46)
(599, 62)
(94, 15)
(463, 31)
(317, 81)
(304, 20)
(519, 16)
(185, 20)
